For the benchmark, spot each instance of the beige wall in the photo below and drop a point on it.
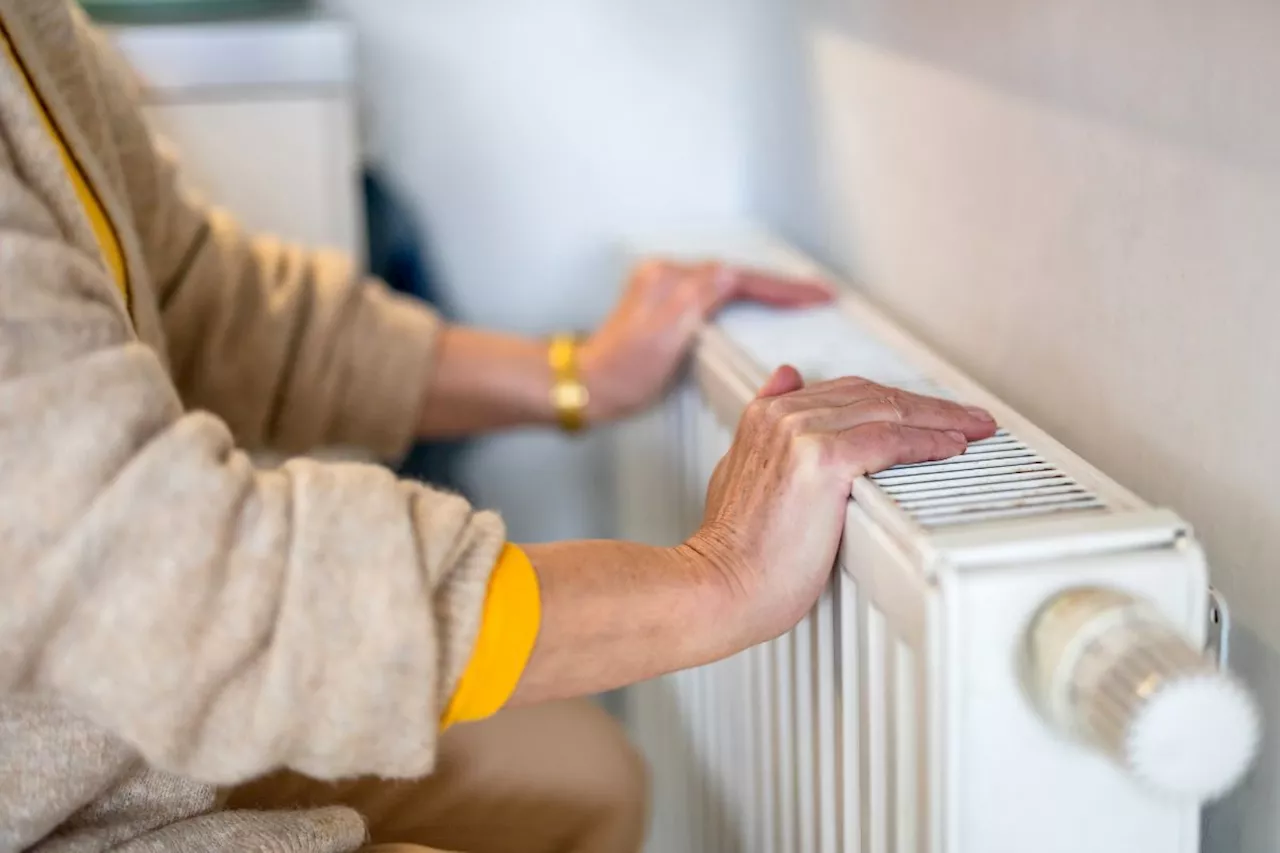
(1080, 203)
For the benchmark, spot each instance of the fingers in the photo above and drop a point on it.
(696, 292)
(785, 380)
(853, 427)
(874, 447)
(845, 404)
(713, 285)
(907, 409)
(776, 290)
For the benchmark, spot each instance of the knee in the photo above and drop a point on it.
(617, 789)
(563, 776)
(613, 785)
(630, 791)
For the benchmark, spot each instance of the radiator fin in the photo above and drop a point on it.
(849, 690)
(874, 693)
(906, 744)
(784, 791)
(805, 734)
(827, 744)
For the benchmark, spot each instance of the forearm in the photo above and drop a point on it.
(615, 613)
(485, 381)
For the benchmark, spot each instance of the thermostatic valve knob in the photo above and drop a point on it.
(1108, 670)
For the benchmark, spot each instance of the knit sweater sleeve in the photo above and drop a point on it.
(291, 346)
(222, 620)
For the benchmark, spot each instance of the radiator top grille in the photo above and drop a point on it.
(996, 479)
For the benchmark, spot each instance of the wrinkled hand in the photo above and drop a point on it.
(776, 504)
(629, 362)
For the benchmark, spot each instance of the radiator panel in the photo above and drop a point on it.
(893, 718)
(833, 737)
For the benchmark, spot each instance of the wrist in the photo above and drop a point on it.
(483, 381)
(725, 594)
(606, 402)
(569, 396)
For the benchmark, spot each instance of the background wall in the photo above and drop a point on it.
(1080, 203)
(533, 134)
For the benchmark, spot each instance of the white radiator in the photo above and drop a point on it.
(1010, 657)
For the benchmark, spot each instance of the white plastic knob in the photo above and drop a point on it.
(1107, 669)
(1194, 737)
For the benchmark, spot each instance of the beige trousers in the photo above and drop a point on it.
(555, 778)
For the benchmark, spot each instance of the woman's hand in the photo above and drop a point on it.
(776, 504)
(485, 381)
(775, 513)
(629, 362)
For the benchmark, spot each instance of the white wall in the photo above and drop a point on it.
(1080, 203)
(531, 135)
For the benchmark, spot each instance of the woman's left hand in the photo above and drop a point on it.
(628, 363)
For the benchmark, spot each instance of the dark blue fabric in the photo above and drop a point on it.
(397, 256)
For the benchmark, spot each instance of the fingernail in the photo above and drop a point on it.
(957, 436)
(980, 414)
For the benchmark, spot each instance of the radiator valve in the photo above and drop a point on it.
(1109, 670)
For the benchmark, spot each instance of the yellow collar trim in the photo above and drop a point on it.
(103, 230)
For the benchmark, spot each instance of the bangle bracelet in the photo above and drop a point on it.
(568, 395)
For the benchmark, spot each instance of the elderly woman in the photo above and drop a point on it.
(188, 642)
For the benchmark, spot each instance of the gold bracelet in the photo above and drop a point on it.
(568, 395)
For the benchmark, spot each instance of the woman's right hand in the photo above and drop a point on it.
(776, 504)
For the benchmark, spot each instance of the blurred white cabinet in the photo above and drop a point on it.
(263, 117)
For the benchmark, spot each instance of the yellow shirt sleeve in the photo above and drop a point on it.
(508, 630)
